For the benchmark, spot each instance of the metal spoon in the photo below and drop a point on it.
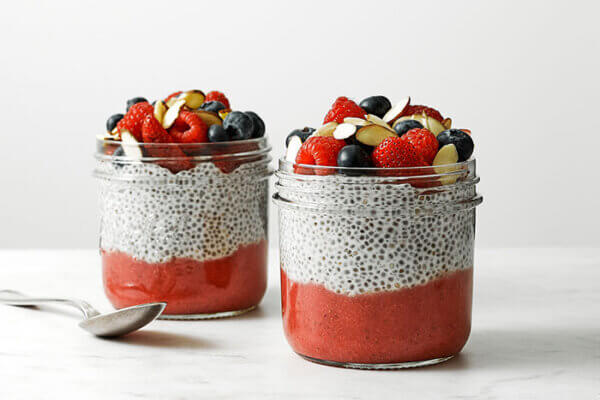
(113, 324)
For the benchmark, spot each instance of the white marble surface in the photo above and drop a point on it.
(536, 335)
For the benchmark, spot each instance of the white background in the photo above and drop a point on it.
(522, 75)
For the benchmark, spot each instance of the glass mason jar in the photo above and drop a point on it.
(376, 264)
(188, 228)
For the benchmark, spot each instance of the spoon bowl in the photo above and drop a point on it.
(123, 321)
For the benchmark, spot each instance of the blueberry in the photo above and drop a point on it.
(135, 100)
(214, 106)
(303, 134)
(119, 152)
(216, 133)
(259, 125)
(353, 156)
(376, 105)
(406, 125)
(463, 142)
(112, 121)
(238, 125)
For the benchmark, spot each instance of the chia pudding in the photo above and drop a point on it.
(376, 261)
(184, 223)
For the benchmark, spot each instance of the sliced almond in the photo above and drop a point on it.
(172, 113)
(447, 123)
(433, 125)
(372, 135)
(446, 155)
(105, 136)
(171, 101)
(355, 121)
(397, 110)
(193, 98)
(378, 121)
(209, 117)
(344, 131)
(223, 113)
(130, 145)
(292, 150)
(326, 130)
(160, 108)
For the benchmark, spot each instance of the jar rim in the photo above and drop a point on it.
(207, 151)
(325, 172)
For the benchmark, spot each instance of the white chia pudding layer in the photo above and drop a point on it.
(362, 238)
(154, 215)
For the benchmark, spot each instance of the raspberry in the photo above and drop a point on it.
(227, 163)
(425, 143)
(342, 108)
(395, 152)
(418, 109)
(189, 128)
(217, 96)
(133, 120)
(318, 150)
(155, 135)
(153, 132)
(169, 97)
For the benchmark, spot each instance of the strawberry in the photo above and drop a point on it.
(425, 143)
(133, 120)
(394, 152)
(418, 109)
(189, 128)
(160, 146)
(318, 150)
(217, 96)
(342, 108)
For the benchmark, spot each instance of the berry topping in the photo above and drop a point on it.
(406, 125)
(463, 142)
(259, 125)
(395, 152)
(417, 109)
(135, 100)
(216, 133)
(353, 156)
(342, 108)
(318, 150)
(112, 121)
(238, 125)
(425, 143)
(214, 106)
(189, 128)
(217, 96)
(303, 134)
(376, 105)
(133, 120)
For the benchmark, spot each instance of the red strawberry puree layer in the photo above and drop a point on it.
(411, 324)
(231, 283)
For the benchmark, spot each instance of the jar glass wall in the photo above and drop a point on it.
(377, 264)
(191, 231)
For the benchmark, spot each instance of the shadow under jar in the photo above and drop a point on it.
(377, 264)
(190, 231)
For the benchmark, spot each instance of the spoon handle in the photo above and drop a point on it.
(14, 298)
